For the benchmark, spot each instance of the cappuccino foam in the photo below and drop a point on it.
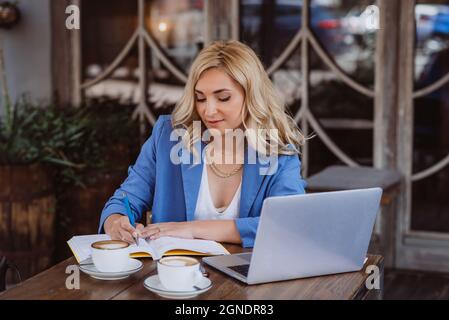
(112, 246)
(179, 262)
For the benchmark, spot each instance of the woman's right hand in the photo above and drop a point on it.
(118, 227)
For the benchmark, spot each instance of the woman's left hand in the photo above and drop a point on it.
(171, 229)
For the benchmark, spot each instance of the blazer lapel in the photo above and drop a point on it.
(191, 179)
(251, 181)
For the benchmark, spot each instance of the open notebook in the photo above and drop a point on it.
(164, 246)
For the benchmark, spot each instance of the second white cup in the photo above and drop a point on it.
(179, 273)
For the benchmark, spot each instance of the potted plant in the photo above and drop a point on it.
(33, 141)
(109, 147)
(48, 154)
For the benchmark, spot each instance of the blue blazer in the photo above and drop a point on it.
(170, 190)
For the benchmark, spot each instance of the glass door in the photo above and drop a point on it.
(423, 235)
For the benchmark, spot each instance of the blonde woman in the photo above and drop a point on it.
(198, 182)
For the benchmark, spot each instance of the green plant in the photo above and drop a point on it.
(30, 134)
(72, 143)
(114, 126)
(48, 135)
(110, 145)
(110, 142)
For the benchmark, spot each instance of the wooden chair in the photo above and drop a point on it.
(4, 266)
(335, 178)
(149, 217)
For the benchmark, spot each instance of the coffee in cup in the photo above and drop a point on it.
(110, 255)
(179, 273)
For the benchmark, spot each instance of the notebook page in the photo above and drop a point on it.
(143, 246)
(164, 244)
(80, 245)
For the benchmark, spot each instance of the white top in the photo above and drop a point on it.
(205, 208)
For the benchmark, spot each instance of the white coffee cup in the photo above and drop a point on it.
(179, 273)
(110, 255)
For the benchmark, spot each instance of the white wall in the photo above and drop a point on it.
(27, 48)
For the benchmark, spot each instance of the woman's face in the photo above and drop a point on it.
(219, 100)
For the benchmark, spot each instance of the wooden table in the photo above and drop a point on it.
(50, 284)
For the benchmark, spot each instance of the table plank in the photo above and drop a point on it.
(343, 286)
(50, 284)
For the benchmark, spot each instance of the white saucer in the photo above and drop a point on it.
(133, 267)
(154, 285)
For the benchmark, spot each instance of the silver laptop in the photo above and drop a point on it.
(307, 235)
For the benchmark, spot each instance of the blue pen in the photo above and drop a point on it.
(130, 214)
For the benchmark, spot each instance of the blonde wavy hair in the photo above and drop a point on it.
(263, 107)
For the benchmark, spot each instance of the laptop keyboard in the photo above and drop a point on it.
(242, 269)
